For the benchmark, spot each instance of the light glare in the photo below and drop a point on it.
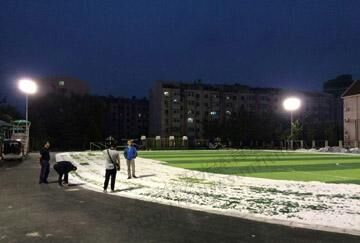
(28, 86)
(292, 104)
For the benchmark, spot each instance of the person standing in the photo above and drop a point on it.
(112, 164)
(63, 168)
(44, 163)
(130, 153)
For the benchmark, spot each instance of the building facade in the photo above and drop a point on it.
(126, 118)
(62, 85)
(181, 109)
(336, 87)
(351, 98)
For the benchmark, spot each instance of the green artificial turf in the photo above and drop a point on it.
(297, 166)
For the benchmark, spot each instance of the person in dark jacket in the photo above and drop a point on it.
(63, 168)
(44, 163)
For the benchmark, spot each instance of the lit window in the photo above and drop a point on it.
(139, 115)
(228, 97)
(166, 93)
(228, 113)
(190, 120)
(61, 83)
(213, 113)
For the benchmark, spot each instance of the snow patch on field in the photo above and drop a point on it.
(333, 207)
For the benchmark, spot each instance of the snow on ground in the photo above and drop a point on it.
(335, 149)
(316, 205)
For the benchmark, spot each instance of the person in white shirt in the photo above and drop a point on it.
(112, 164)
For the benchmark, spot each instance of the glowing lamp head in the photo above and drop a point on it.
(292, 104)
(28, 86)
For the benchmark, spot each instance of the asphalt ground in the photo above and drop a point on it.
(30, 212)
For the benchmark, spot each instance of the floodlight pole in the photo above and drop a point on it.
(27, 116)
(291, 104)
(28, 87)
(27, 108)
(291, 130)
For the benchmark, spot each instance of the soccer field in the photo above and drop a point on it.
(299, 166)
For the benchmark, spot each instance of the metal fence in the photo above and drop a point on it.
(157, 143)
(180, 143)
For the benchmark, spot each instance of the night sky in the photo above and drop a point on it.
(122, 47)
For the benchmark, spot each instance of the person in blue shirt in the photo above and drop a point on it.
(130, 154)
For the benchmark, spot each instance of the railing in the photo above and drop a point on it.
(97, 146)
(179, 143)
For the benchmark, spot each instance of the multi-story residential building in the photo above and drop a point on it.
(178, 109)
(62, 85)
(126, 117)
(337, 87)
(351, 98)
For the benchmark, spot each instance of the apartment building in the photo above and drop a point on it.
(181, 109)
(62, 85)
(337, 87)
(126, 117)
(351, 98)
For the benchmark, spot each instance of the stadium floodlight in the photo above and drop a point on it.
(291, 104)
(28, 87)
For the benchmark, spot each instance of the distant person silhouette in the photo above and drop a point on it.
(44, 163)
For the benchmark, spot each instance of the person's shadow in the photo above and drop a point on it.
(143, 176)
(128, 189)
(75, 184)
(69, 185)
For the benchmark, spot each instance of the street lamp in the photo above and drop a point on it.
(291, 104)
(29, 87)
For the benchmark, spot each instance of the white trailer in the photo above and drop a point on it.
(12, 150)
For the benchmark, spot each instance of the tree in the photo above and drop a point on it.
(246, 127)
(8, 112)
(296, 130)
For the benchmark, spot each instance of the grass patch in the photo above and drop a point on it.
(297, 166)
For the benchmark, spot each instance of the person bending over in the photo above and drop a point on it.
(63, 168)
